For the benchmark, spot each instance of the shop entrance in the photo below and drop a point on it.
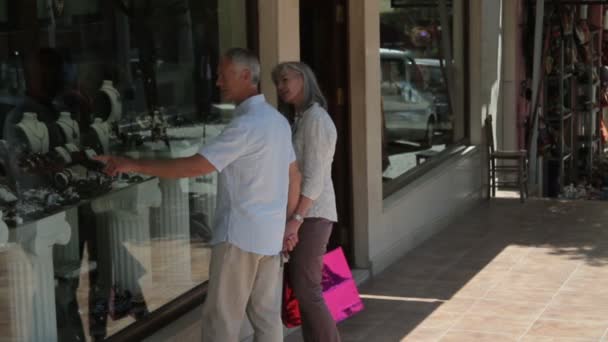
(324, 46)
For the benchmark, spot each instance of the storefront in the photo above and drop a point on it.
(418, 51)
(556, 86)
(84, 256)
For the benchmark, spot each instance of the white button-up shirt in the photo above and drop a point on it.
(252, 154)
(314, 142)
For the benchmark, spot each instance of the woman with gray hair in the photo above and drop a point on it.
(309, 228)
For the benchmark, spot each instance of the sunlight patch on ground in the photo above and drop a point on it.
(401, 299)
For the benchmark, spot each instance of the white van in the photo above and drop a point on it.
(410, 112)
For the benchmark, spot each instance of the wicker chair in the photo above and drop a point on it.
(505, 163)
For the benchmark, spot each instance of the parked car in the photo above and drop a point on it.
(409, 105)
(434, 83)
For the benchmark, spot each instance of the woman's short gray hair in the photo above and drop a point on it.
(247, 59)
(312, 92)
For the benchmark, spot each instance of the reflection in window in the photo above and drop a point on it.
(3, 12)
(89, 77)
(418, 118)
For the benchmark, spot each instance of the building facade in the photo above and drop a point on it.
(409, 84)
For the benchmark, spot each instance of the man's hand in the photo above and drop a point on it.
(116, 165)
(291, 235)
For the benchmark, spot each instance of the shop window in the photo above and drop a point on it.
(83, 256)
(3, 12)
(422, 88)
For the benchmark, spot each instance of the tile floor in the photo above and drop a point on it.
(503, 272)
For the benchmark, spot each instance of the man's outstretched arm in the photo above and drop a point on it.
(193, 166)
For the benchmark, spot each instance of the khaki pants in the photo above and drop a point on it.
(242, 283)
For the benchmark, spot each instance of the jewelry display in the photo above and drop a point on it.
(107, 88)
(10, 216)
(35, 131)
(27, 209)
(90, 153)
(64, 154)
(6, 195)
(90, 163)
(41, 163)
(31, 162)
(34, 204)
(63, 179)
(69, 127)
(93, 186)
(102, 128)
(46, 198)
(71, 147)
(71, 155)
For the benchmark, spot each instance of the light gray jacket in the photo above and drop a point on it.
(314, 142)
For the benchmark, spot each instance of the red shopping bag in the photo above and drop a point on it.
(290, 310)
(339, 291)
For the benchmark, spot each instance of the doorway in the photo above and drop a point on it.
(324, 47)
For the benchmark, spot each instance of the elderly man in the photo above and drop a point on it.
(258, 174)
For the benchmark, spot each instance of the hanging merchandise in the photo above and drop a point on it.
(605, 40)
(604, 83)
(583, 35)
(567, 20)
(555, 125)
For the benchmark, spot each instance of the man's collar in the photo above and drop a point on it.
(244, 106)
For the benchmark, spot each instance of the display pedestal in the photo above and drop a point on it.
(170, 232)
(31, 275)
(204, 203)
(67, 257)
(123, 234)
(170, 223)
(3, 232)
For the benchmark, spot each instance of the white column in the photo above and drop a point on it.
(485, 69)
(67, 257)
(21, 291)
(3, 232)
(204, 199)
(279, 38)
(170, 223)
(123, 232)
(506, 118)
(31, 277)
(170, 230)
(366, 128)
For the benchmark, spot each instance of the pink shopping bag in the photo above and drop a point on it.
(339, 291)
(339, 287)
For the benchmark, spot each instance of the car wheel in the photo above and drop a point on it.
(430, 133)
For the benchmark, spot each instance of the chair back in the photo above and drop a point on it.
(489, 134)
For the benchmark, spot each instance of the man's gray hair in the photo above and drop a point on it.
(311, 89)
(247, 59)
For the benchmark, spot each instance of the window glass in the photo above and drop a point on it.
(3, 11)
(421, 113)
(84, 255)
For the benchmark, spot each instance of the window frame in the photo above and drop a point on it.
(30, 26)
(409, 176)
(180, 306)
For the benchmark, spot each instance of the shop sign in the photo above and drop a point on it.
(416, 3)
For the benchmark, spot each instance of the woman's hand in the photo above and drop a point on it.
(291, 235)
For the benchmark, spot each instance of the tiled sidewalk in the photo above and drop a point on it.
(504, 272)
